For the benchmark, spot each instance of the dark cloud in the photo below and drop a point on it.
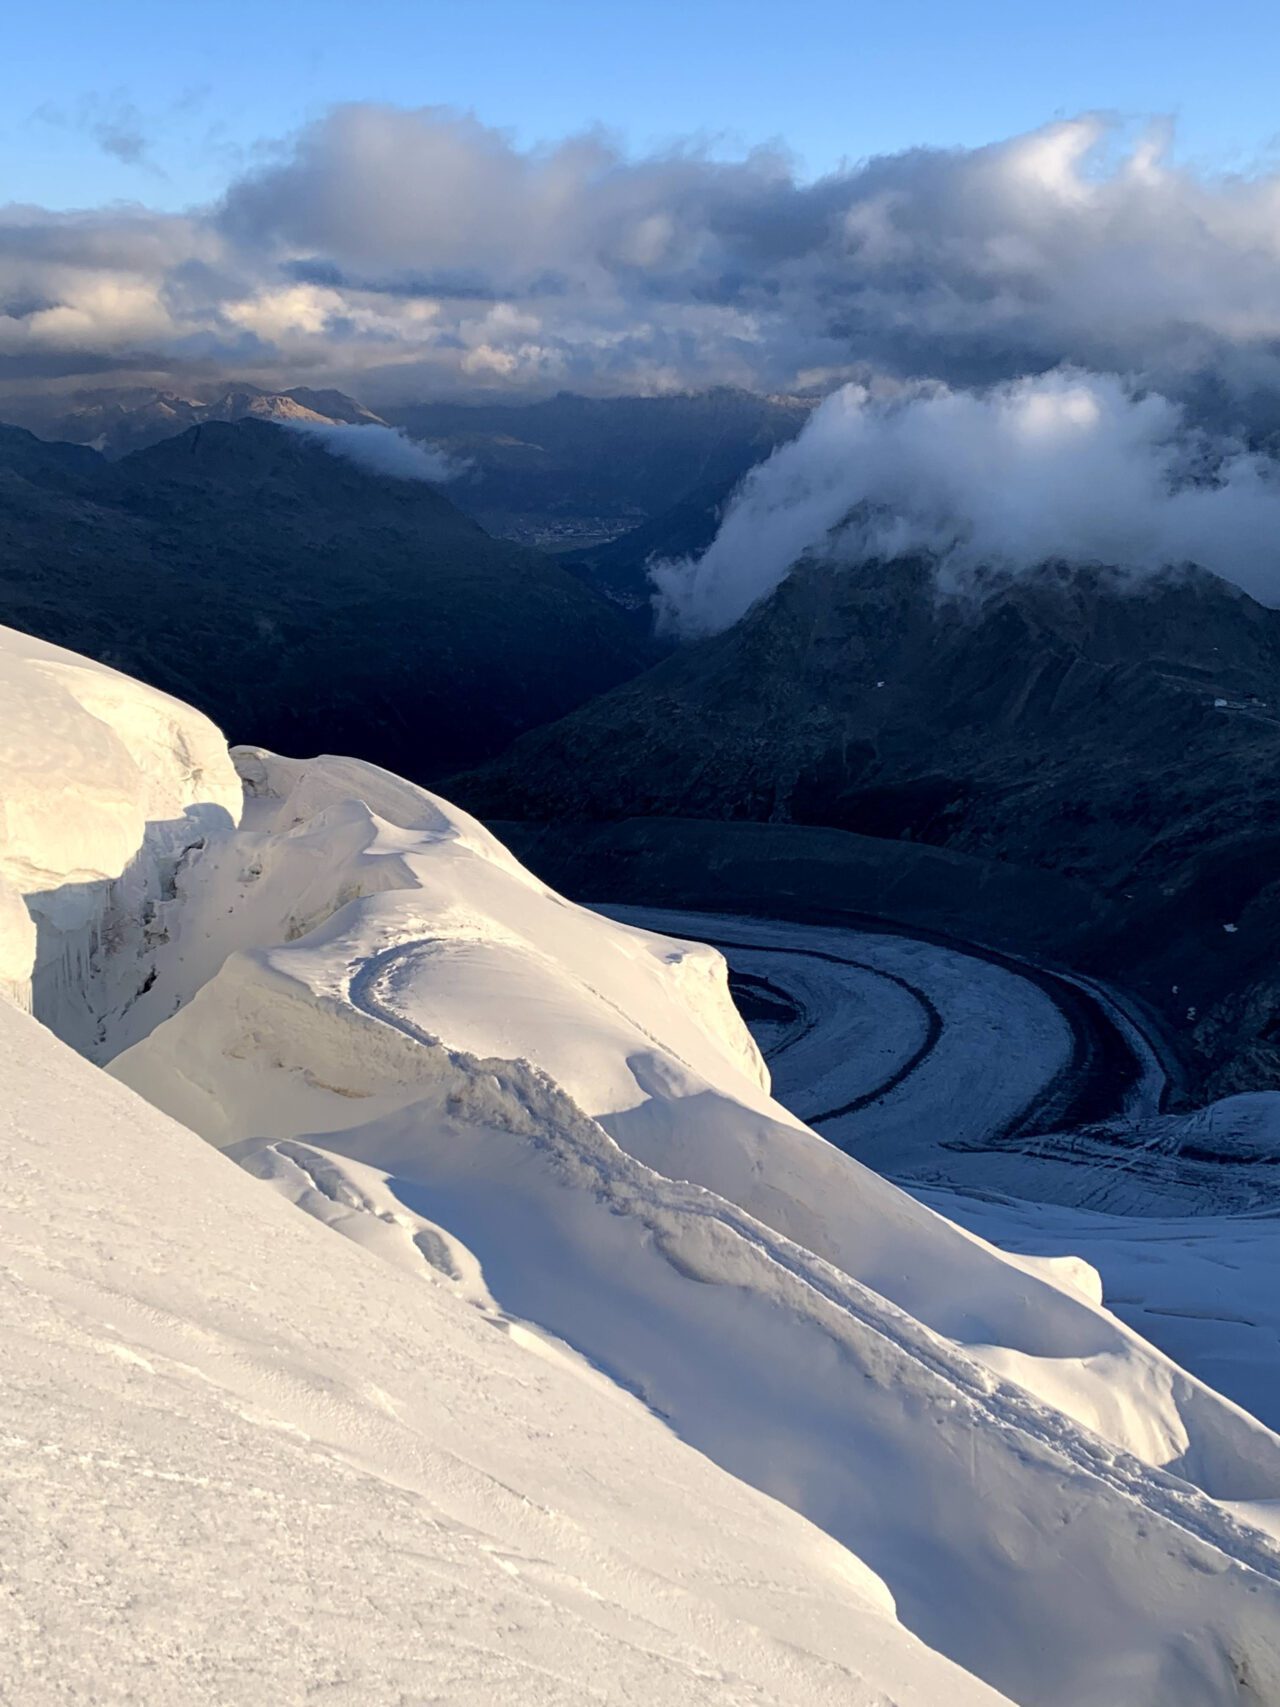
(29, 365)
(406, 252)
(457, 286)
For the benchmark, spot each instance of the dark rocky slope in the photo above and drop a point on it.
(299, 600)
(1124, 737)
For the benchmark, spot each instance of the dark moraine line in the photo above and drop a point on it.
(1094, 1086)
(933, 1019)
(1091, 1088)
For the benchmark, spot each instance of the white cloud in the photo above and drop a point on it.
(382, 450)
(1070, 466)
(419, 251)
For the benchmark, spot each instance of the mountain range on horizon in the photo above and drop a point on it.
(564, 472)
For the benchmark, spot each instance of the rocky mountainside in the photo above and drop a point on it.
(1125, 737)
(118, 421)
(566, 472)
(280, 588)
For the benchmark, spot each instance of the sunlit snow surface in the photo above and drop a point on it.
(106, 787)
(244, 1462)
(365, 977)
(1174, 1214)
(452, 1455)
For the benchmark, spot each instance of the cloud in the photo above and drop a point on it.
(404, 253)
(382, 450)
(1070, 466)
(120, 134)
(112, 121)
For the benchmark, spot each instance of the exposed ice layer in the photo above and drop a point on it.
(244, 1462)
(17, 944)
(416, 1040)
(104, 786)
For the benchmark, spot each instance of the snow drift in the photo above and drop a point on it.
(105, 786)
(603, 1311)
(379, 1011)
(246, 1462)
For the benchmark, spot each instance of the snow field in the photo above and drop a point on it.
(622, 1384)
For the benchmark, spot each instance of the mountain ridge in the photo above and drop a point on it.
(1122, 735)
(251, 571)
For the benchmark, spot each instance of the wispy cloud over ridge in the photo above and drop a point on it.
(1068, 466)
(404, 252)
(382, 450)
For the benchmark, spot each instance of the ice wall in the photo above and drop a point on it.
(105, 787)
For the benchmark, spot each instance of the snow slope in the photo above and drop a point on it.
(1191, 1263)
(246, 1462)
(602, 1313)
(380, 1012)
(898, 1033)
(1206, 1287)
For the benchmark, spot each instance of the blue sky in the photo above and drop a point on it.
(164, 103)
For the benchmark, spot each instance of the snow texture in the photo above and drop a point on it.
(246, 1462)
(366, 977)
(621, 1383)
(107, 786)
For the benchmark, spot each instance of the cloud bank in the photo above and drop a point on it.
(381, 450)
(1070, 466)
(404, 253)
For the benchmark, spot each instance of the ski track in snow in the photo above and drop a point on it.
(1003, 1404)
(1199, 1284)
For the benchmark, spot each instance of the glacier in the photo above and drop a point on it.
(619, 1383)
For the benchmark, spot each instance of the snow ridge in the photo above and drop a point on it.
(633, 1192)
(632, 1366)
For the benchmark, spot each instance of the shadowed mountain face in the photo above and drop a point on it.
(300, 601)
(1016, 721)
(566, 472)
(1126, 737)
